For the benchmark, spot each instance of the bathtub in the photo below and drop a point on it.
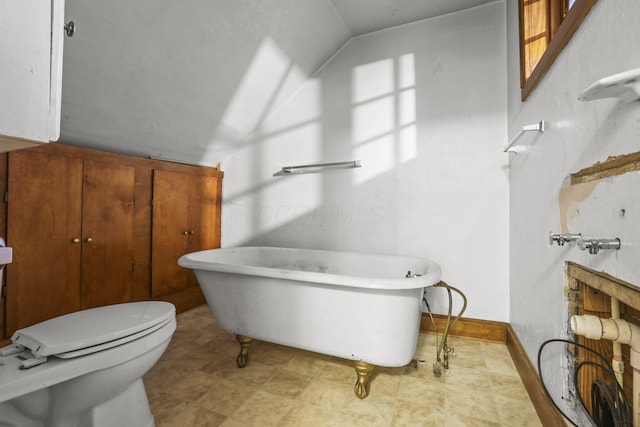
(349, 305)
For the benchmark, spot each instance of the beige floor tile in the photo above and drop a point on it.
(264, 409)
(422, 412)
(501, 365)
(517, 412)
(197, 383)
(473, 378)
(232, 422)
(164, 406)
(327, 395)
(309, 415)
(194, 416)
(383, 381)
(458, 419)
(375, 410)
(415, 390)
(287, 384)
(225, 397)
(508, 386)
(463, 400)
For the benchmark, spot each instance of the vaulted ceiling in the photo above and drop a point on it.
(190, 80)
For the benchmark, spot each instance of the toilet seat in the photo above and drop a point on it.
(95, 361)
(90, 331)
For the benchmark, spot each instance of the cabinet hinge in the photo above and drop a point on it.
(5, 196)
(3, 294)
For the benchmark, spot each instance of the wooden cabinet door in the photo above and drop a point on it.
(204, 214)
(43, 227)
(185, 219)
(107, 233)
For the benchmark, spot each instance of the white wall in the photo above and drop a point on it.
(578, 135)
(187, 80)
(423, 106)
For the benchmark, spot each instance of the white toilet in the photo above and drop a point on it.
(85, 368)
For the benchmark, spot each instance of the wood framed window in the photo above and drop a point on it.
(545, 28)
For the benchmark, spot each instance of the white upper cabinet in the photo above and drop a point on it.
(31, 47)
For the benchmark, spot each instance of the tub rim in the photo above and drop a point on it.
(429, 277)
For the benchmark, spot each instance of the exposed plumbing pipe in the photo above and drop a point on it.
(618, 331)
(616, 363)
(445, 335)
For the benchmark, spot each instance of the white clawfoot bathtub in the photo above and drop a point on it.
(350, 305)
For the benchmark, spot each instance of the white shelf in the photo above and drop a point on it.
(625, 85)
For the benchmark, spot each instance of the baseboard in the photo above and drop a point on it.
(484, 330)
(500, 332)
(547, 412)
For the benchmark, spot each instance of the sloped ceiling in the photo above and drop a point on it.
(191, 80)
(365, 16)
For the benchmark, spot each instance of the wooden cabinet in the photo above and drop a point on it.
(43, 216)
(31, 52)
(107, 234)
(90, 228)
(185, 219)
(70, 223)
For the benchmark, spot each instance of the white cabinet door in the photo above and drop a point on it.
(31, 40)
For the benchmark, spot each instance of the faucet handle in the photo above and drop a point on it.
(588, 244)
(563, 238)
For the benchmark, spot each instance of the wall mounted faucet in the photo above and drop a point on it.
(561, 239)
(595, 245)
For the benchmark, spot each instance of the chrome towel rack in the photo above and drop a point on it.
(317, 167)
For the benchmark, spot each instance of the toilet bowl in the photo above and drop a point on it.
(85, 368)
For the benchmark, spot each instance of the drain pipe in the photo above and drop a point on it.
(618, 331)
(617, 364)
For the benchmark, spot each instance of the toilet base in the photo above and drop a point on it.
(129, 408)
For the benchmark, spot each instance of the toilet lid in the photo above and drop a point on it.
(95, 329)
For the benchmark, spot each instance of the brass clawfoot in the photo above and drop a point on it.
(243, 357)
(363, 370)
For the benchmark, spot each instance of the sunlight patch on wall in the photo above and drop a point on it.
(407, 71)
(372, 120)
(269, 74)
(408, 143)
(372, 81)
(383, 133)
(301, 110)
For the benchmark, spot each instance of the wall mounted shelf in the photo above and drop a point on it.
(625, 85)
(537, 127)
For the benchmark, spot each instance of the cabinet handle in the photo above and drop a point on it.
(75, 240)
(191, 232)
(89, 239)
(185, 233)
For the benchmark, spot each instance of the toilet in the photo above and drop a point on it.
(85, 368)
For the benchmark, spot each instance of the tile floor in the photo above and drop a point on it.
(197, 383)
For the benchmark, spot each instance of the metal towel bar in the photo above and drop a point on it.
(317, 167)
